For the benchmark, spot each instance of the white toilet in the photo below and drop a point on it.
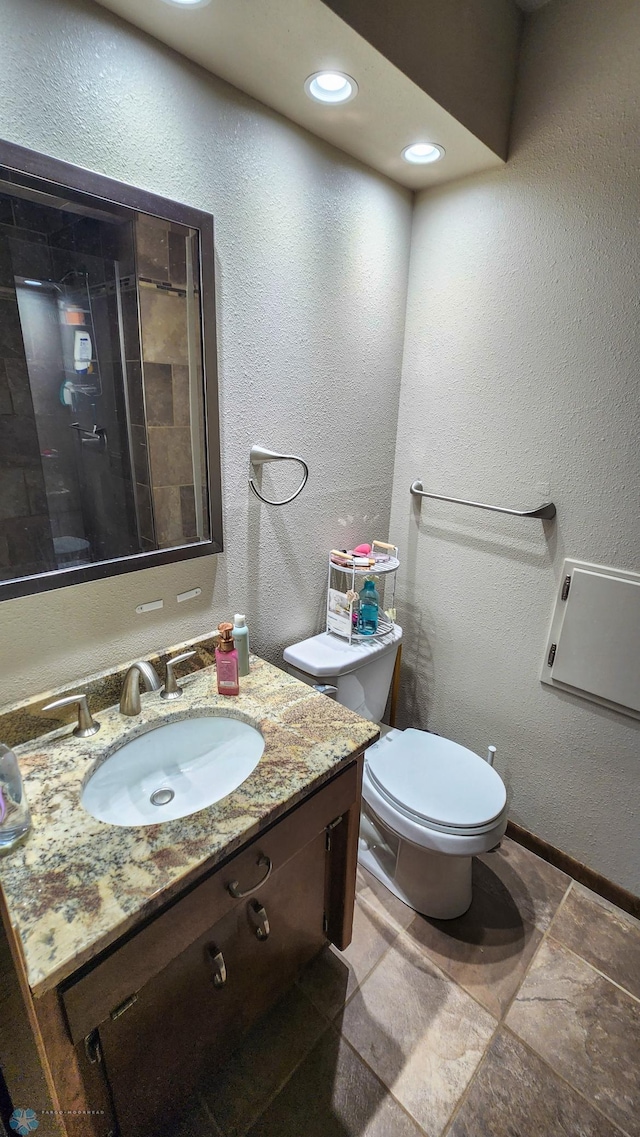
(429, 805)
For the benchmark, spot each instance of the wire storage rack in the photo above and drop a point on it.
(344, 584)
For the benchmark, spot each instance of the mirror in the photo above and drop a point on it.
(109, 437)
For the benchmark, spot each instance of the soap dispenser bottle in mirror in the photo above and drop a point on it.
(15, 819)
(368, 608)
(227, 662)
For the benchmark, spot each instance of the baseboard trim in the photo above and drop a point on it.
(582, 873)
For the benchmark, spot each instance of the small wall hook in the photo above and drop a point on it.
(259, 455)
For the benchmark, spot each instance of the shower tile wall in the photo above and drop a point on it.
(53, 490)
(53, 487)
(25, 532)
(43, 349)
(162, 274)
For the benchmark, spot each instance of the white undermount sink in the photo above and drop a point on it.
(173, 770)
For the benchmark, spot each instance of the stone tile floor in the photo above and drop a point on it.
(520, 1019)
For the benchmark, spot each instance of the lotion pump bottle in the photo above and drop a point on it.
(241, 637)
(227, 662)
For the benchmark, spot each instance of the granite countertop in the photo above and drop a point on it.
(76, 884)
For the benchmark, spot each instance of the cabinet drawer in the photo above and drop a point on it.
(92, 998)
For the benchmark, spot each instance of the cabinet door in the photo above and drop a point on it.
(191, 1015)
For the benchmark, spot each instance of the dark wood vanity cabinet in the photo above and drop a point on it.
(187, 1020)
(154, 1018)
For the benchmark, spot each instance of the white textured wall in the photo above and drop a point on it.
(522, 365)
(312, 256)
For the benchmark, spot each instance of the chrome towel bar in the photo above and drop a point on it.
(546, 511)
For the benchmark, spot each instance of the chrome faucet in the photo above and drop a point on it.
(130, 697)
(87, 725)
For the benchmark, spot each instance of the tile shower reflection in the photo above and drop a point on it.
(102, 441)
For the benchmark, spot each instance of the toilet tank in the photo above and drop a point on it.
(361, 672)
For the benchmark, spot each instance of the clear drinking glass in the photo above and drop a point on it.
(15, 819)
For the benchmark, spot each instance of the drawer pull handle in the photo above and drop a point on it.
(92, 1047)
(219, 966)
(259, 919)
(239, 893)
(122, 1007)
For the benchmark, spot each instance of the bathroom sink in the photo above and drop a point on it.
(173, 770)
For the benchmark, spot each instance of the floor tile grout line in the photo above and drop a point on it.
(501, 1023)
(548, 935)
(602, 974)
(330, 1024)
(503, 1014)
(360, 982)
(388, 920)
(210, 1115)
(603, 902)
(333, 1023)
(395, 929)
(271, 1098)
(387, 1089)
(392, 925)
(457, 983)
(543, 939)
(580, 1093)
(445, 975)
(449, 980)
(467, 1090)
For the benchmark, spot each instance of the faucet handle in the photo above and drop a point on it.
(87, 725)
(171, 689)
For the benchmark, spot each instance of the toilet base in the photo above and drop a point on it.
(434, 884)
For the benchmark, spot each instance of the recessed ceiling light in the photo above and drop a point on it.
(187, 3)
(331, 87)
(421, 153)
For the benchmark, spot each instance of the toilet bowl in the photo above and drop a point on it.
(429, 804)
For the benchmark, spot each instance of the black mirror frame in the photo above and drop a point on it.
(17, 161)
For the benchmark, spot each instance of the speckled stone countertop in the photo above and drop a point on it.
(76, 884)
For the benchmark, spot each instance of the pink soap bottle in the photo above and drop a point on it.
(227, 662)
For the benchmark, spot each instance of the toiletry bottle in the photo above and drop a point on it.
(241, 638)
(227, 662)
(15, 819)
(368, 611)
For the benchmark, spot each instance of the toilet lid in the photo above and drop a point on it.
(436, 780)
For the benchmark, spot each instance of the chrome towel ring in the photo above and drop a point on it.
(259, 455)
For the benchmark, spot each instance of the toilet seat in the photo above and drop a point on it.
(424, 785)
